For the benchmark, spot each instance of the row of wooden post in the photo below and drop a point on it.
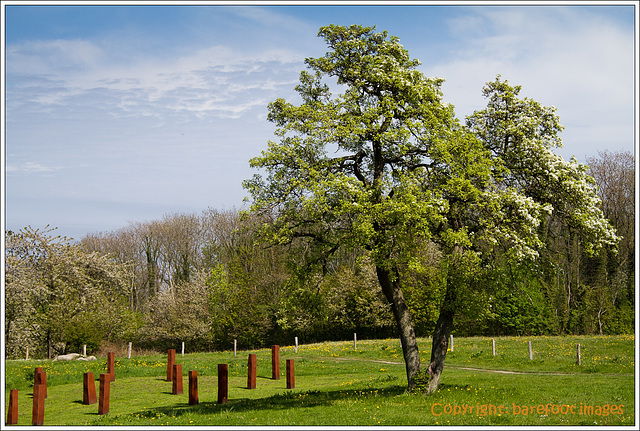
(235, 346)
(84, 350)
(174, 374)
(295, 348)
(493, 349)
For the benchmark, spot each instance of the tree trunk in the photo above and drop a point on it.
(440, 342)
(48, 344)
(393, 293)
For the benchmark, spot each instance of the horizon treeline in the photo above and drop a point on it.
(206, 279)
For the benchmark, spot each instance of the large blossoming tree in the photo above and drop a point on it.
(386, 167)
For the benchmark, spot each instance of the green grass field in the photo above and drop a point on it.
(337, 385)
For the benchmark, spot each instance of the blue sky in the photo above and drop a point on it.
(120, 114)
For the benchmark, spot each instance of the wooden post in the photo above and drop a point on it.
(296, 345)
(275, 362)
(176, 387)
(171, 360)
(291, 374)
(493, 347)
(451, 342)
(251, 371)
(235, 345)
(355, 341)
(40, 378)
(579, 359)
(88, 389)
(193, 387)
(530, 352)
(12, 414)
(183, 349)
(43, 380)
(37, 414)
(129, 351)
(26, 358)
(111, 365)
(105, 389)
(223, 383)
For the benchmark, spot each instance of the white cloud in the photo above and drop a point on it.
(215, 80)
(31, 167)
(567, 57)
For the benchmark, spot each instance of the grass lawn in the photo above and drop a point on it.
(337, 385)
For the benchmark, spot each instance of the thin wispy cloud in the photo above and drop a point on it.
(215, 80)
(31, 167)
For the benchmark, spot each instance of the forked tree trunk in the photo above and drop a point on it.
(393, 293)
(456, 276)
(440, 342)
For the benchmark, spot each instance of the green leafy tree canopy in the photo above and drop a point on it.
(385, 166)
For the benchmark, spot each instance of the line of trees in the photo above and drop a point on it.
(206, 279)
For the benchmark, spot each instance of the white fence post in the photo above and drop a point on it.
(530, 352)
(451, 342)
(355, 341)
(579, 355)
(493, 346)
(183, 348)
(235, 345)
(129, 351)
(296, 344)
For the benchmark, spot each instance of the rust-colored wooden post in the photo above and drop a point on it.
(12, 414)
(171, 360)
(252, 368)
(223, 383)
(111, 365)
(193, 387)
(43, 381)
(88, 389)
(275, 362)
(176, 387)
(37, 415)
(105, 389)
(40, 378)
(291, 374)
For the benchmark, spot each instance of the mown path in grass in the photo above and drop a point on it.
(487, 370)
(337, 385)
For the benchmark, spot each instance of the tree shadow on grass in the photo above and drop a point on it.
(282, 401)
